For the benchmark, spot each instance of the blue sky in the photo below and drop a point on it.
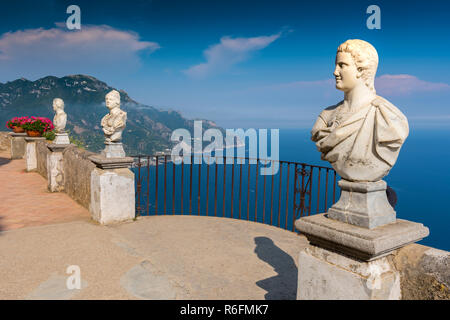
(240, 63)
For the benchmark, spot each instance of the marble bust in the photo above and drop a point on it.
(114, 122)
(60, 118)
(360, 136)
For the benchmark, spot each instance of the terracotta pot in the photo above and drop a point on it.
(32, 133)
(18, 129)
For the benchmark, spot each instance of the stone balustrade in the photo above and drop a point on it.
(105, 186)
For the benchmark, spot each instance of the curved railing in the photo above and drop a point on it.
(237, 189)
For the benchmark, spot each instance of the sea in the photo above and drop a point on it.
(420, 179)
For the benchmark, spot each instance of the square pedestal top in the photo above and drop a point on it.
(33, 139)
(16, 134)
(56, 147)
(111, 163)
(358, 242)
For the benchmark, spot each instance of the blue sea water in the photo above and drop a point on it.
(420, 178)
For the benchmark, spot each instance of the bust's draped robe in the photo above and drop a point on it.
(113, 124)
(365, 146)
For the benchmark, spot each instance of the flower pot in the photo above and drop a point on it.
(18, 129)
(32, 133)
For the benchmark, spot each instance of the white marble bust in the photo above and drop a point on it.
(360, 136)
(114, 122)
(60, 118)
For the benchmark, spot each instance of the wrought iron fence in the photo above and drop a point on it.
(235, 189)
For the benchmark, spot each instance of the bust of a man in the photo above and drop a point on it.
(360, 136)
(115, 121)
(60, 119)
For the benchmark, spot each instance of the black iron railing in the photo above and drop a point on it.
(236, 189)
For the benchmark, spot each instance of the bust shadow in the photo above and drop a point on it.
(284, 285)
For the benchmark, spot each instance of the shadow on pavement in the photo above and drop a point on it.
(2, 228)
(284, 285)
(4, 161)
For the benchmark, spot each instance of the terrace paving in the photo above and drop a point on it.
(159, 257)
(25, 200)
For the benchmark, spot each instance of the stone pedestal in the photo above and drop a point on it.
(363, 204)
(113, 150)
(62, 138)
(17, 145)
(345, 261)
(112, 190)
(30, 153)
(55, 167)
(326, 275)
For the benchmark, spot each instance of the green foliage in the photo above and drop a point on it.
(49, 135)
(76, 141)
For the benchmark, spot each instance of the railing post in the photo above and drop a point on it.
(139, 187)
(295, 196)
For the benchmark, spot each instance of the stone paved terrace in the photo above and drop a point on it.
(25, 201)
(163, 257)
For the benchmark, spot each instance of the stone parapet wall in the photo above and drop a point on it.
(41, 157)
(77, 174)
(424, 272)
(5, 141)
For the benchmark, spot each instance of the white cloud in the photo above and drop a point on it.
(59, 51)
(388, 84)
(228, 52)
(405, 84)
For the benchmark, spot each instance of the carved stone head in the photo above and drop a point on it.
(112, 100)
(58, 104)
(356, 62)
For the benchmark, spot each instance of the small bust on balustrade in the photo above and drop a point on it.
(114, 122)
(60, 119)
(360, 136)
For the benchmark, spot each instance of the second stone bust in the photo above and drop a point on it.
(60, 118)
(59, 121)
(115, 121)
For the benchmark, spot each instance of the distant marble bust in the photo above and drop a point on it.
(115, 121)
(60, 119)
(360, 136)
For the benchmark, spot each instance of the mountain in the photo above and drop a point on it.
(148, 128)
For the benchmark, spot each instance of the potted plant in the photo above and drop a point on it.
(16, 124)
(36, 126)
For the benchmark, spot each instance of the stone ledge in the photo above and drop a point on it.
(357, 242)
(33, 139)
(54, 147)
(14, 134)
(111, 163)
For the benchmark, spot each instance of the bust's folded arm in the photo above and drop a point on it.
(319, 130)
